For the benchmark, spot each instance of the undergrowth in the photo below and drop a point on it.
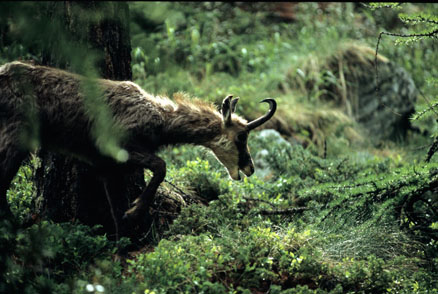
(325, 212)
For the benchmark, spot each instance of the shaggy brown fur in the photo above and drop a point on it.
(46, 106)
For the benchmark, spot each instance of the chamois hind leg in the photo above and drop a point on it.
(11, 158)
(146, 199)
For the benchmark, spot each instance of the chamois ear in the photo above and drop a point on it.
(234, 103)
(227, 110)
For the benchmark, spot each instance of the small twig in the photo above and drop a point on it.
(144, 236)
(325, 149)
(433, 148)
(383, 6)
(339, 187)
(428, 204)
(263, 188)
(258, 200)
(163, 212)
(377, 74)
(288, 211)
(419, 18)
(430, 34)
(426, 99)
(178, 189)
(431, 106)
(418, 148)
(375, 61)
(341, 163)
(113, 215)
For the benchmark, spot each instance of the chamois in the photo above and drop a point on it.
(55, 101)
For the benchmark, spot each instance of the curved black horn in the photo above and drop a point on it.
(261, 120)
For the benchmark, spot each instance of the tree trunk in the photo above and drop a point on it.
(68, 189)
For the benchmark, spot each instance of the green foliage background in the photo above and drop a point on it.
(361, 220)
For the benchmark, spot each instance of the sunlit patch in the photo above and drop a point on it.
(95, 288)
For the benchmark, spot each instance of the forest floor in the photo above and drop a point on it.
(343, 199)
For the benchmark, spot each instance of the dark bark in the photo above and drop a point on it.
(67, 188)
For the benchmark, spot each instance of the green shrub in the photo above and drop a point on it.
(49, 258)
(22, 191)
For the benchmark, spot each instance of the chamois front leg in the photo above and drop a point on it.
(158, 168)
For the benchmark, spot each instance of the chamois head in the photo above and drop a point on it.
(232, 146)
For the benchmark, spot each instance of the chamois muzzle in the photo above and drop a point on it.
(261, 120)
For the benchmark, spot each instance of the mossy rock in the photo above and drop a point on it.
(383, 111)
(347, 78)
